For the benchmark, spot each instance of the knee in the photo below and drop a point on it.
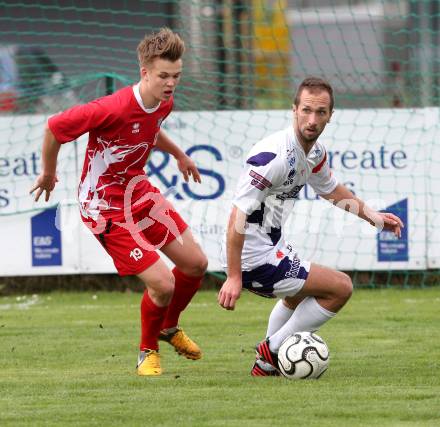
(197, 267)
(161, 289)
(345, 288)
(202, 265)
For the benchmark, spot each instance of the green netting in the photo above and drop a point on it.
(245, 53)
(241, 55)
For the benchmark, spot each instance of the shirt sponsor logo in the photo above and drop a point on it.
(292, 194)
(290, 177)
(290, 156)
(291, 159)
(259, 181)
(135, 128)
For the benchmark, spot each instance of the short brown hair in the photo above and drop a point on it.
(315, 84)
(165, 45)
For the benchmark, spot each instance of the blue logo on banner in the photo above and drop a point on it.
(46, 239)
(389, 247)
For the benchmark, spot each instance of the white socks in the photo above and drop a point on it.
(308, 316)
(278, 317)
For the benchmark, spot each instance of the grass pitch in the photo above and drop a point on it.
(68, 360)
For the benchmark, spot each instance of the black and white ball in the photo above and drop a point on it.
(303, 355)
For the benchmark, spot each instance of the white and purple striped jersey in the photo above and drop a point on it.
(276, 169)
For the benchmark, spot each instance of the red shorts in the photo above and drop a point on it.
(132, 239)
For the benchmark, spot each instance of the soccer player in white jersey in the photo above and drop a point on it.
(257, 256)
(125, 212)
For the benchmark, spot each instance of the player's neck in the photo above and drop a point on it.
(305, 144)
(148, 99)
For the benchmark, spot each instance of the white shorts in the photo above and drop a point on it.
(283, 275)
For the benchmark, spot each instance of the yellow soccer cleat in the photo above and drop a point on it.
(149, 363)
(182, 343)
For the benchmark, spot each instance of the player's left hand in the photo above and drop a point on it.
(188, 168)
(391, 222)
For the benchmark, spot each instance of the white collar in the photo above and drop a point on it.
(137, 95)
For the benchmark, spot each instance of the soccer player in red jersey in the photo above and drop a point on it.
(125, 212)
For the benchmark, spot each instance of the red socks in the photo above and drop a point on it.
(152, 317)
(184, 290)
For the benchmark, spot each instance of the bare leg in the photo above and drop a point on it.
(188, 257)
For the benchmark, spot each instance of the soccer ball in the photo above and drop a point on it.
(303, 355)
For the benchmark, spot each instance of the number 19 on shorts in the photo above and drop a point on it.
(136, 254)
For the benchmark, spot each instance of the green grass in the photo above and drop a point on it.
(68, 359)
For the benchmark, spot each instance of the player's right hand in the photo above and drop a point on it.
(229, 293)
(44, 183)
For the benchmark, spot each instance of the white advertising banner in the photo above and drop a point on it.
(376, 153)
(433, 187)
(383, 156)
(33, 243)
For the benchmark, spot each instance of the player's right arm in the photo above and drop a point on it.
(231, 289)
(263, 170)
(61, 128)
(47, 179)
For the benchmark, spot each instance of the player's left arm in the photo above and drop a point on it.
(185, 164)
(343, 198)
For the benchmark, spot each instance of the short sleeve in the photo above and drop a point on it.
(78, 120)
(322, 179)
(263, 171)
